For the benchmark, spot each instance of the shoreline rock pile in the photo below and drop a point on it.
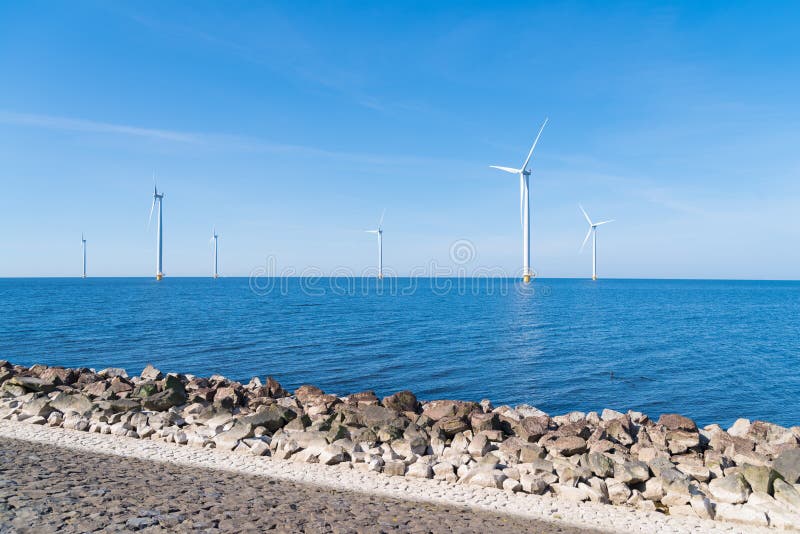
(749, 473)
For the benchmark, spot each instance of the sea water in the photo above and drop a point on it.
(711, 350)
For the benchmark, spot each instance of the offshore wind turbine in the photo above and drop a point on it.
(160, 230)
(379, 231)
(83, 249)
(592, 232)
(214, 238)
(524, 206)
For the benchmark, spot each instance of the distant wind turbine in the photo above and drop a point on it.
(592, 232)
(379, 231)
(83, 249)
(524, 207)
(214, 238)
(160, 240)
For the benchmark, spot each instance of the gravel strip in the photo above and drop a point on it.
(43, 487)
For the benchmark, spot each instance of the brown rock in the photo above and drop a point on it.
(151, 373)
(374, 416)
(120, 384)
(227, 397)
(96, 389)
(567, 446)
(442, 408)
(362, 398)
(59, 376)
(402, 401)
(531, 429)
(307, 393)
(483, 421)
(276, 391)
(673, 421)
(451, 425)
(731, 445)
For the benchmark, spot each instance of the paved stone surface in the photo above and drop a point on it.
(206, 465)
(47, 489)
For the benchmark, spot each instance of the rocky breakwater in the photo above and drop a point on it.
(749, 473)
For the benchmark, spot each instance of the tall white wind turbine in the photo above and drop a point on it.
(379, 231)
(524, 207)
(214, 239)
(160, 240)
(592, 232)
(83, 249)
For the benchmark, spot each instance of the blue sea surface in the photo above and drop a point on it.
(712, 350)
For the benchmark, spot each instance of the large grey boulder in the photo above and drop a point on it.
(759, 478)
(788, 465)
(374, 416)
(479, 446)
(673, 481)
(745, 514)
(38, 407)
(332, 455)
(731, 489)
(600, 464)
(631, 472)
(419, 470)
(65, 402)
(484, 477)
(173, 394)
(272, 418)
(787, 494)
(30, 383)
(229, 439)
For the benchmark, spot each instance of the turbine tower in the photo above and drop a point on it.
(83, 249)
(592, 232)
(214, 238)
(524, 207)
(379, 231)
(160, 241)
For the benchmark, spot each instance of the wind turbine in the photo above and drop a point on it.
(160, 248)
(524, 207)
(592, 232)
(379, 231)
(83, 249)
(214, 238)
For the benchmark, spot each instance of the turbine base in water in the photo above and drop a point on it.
(160, 276)
(526, 279)
(594, 277)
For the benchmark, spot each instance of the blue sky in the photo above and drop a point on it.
(291, 126)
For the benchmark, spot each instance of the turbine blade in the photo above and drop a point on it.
(525, 165)
(585, 239)
(521, 197)
(371, 231)
(150, 218)
(380, 223)
(604, 222)
(506, 169)
(585, 215)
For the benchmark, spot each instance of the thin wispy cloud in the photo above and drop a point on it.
(81, 125)
(219, 141)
